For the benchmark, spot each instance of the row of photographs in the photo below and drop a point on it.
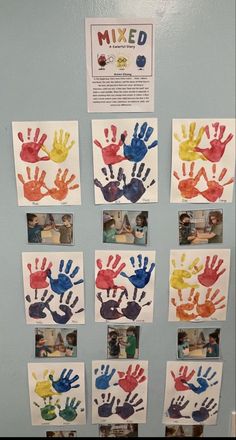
(126, 227)
(125, 161)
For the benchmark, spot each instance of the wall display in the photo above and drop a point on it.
(123, 342)
(126, 227)
(48, 228)
(120, 64)
(47, 162)
(116, 430)
(61, 434)
(201, 226)
(53, 287)
(55, 342)
(125, 160)
(192, 393)
(124, 286)
(184, 431)
(57, 393)
(203, 160)
(198, 289)
(119, 391)
(198, 343)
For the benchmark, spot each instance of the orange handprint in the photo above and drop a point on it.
(33, 188)
(207, 308)
(182, 310)
(215, 189)
(62, 185)
(187, 186)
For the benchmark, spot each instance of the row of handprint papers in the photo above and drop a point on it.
(124, 286)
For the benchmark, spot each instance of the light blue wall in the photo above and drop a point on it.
(43, 77)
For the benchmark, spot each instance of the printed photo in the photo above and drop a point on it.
(184, 431)
(122, 342)
(198, 343)
(201, 226)
(115, 430)
(55, 342)
(61, 434)
(126, 227)
(48, 228)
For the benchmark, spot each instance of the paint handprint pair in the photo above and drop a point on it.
(127, 380)
(189, 380)
(124, 409)
(201, 413)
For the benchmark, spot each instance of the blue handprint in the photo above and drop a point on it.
(105, 408)
(63, 282)
(63, 384)
(138, 148)
(142, 276)
(202, 414)
(102, 382)
(203, 380)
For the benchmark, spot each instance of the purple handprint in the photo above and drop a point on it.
(133, 308)
(111, 191)
(135, 189)
(109, 308)
(105, 408)
(129, 406)
(37, 309)
(67, 309)
(175, 408)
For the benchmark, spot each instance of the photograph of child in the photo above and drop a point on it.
(122, 342)
(119, 430)
(198, 343)
(55, 342)
(126, 227)
(48, 228)
(61, 434)
(184, 431)
(201, 227)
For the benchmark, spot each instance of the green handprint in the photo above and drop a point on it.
(59, 150)
(48, 410)
(69, 413)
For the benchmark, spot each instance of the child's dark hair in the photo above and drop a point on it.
(131, 329)
(66, 217)
(143, 219)
(217, 215)
(181, 336)
(108, 224)
(113, 333)
(215, 336)
(38, 338)
(182, 216)
(30, 217)
(73, 338)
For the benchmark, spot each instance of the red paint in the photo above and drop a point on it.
(105, 277)
(38, 278)
(62, 185)
(33, 188)
(129, 381)
(217, 147)
(30, 150)
(183, 377)
(109, 153)
(210, 274)
(187, 187)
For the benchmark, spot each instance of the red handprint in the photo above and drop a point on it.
(38, 278)
(105, 277)
(109, 153)
(180, 381)
(217, 147)
(33, 188)
(62, 185)
(210, 274)
(187, 186)
(215, 189)
(206, 309)
(30, 150)
(130, 380)
(183, 310)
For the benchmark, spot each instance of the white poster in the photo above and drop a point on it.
(192, 393)
(53, 287)
(57, 393)
(47, 162)
(125, 160)
(119, 391)
(120, 64)
(203, 160)
(198, 286)
(124, 286)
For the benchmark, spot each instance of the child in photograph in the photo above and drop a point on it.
(131, 343)
(213, 345)
(114, 345)
(215, 234)
(183, 345)
(71, 339)
(186, 231)
(65, 230)
(139, 231)
(41, 349)
(35, 229)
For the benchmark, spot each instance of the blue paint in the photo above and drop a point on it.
(141, 61)
(67, 309)
(128, 408)
(105, 409)
(205, 411)
(37, 309)
(64, 383)
(141, 277)
(203, 381)
(111, 191)
(63, 281)
(102, 382)
(137, 150)
(135, 189)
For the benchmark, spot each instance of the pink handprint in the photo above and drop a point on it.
(105, 277)
(217, 146)
(109, 153)
(130, 380)
(210, 274)
(38, 278)
(30, 150)
(215, 189)
(180, 381)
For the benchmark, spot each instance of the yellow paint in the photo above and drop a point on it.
(187, 146)
(178, 276)
(44, 387)
(60, 150)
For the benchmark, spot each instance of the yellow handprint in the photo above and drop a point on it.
(178, 275)
(187, 146)
(59, 150)
(44, 387)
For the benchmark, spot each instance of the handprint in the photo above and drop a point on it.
(69, 413)
(187, 147)
(110, 152)
(138, 149)
(177, 279)
(30, 149)
(187, 187)
(182, 379)
(142, 276)
(203, 380)
(175, 408)
(64, 281)
(38, 278)
(217, 146)
(130, 380)
(64, 383)
(102, 382)
(109, 308)
(48, 410)
(43, 388)
(184, 311)
(210, 274)
(105, 408)
(60, 150)
(208, 307)
(37, 309)
(105, 277)
(215, 189)
(111, 191)
(61, 189)
(129, 406)
(135, 189)
(202, 414)
(33, 188)
(133, 308)
(67, 309)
